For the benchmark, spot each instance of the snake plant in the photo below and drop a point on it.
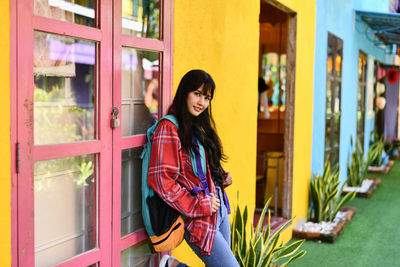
(325, 196)
(376, 150)
(357, 167)
(263, 248)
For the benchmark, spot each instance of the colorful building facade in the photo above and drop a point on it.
(352, 113)
(106, 56)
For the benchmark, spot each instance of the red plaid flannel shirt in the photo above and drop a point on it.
(172, 177)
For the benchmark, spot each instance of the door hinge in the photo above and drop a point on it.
(18, 158)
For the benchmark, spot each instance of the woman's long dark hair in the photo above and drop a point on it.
(202, 126)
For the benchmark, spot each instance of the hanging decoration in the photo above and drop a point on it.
(380, 72)
(393, 76)
(380, 102)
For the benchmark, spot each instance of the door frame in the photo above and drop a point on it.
(24, 153)
(288, 143)
(164, 46)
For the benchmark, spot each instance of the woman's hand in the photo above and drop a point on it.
(215, 203)
(227, 180)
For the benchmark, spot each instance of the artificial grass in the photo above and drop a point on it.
(372, 238)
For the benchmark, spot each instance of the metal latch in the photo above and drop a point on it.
(115, 122)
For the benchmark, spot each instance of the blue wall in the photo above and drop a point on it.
(338, 18)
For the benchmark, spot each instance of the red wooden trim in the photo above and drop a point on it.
(85, 259)
(66, 150)
(135, 141)
(119, 142)
(66, 28)
(141, 43)
(104, 96)
(116, 153)
(13, 126)
(167, 63)
(25, 210)
(132, 239)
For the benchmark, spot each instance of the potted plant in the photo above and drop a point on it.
(263, 248)
(326, 201)
(357, 169)
(379, 159)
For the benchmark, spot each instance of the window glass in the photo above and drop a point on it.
(141, 18)
(131, 196)
(140, 90)
(333, 95)
(73, 11)
(65, 208)
(139, 255)
(362, 58)
(64, 95)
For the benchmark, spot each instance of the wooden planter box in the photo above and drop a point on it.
(367, 194)
(331, 237)
(384, 170)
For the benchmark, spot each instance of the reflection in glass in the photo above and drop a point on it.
(274, 74)
(141, 18)
(339, 65)
(73, 11)
(63, 89)
(140, 90)
(327, 134)
(138, 256)
(65, 208)
(337, 98)
(333, 95)
(131, 197)
(362, 67)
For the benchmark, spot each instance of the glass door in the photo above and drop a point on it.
(92, 76)
(64, 92)
(142, 83)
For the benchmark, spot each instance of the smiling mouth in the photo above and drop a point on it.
(197, 109)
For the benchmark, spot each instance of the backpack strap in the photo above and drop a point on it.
(198, 158)
(153, 128)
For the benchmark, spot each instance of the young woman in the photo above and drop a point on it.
(171, 175)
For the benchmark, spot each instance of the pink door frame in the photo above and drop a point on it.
(23, 23)
(164, 46)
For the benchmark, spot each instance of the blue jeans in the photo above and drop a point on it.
(221, 253)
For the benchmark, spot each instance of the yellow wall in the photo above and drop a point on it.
(221, 37)
(5, 173)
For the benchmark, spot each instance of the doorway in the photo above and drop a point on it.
(91, 77)
(276, 76)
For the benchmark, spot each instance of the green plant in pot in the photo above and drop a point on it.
(325, 196)
(357, 167)
(263, 248)
(376, 150)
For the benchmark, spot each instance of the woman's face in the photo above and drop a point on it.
(197, 102)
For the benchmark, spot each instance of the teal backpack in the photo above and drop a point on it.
(165, 225)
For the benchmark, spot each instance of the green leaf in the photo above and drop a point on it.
(295, 257)
(239, 258)
(251, 258)
(261, 220)
(289, 250)
(258, 244)
(347, 197)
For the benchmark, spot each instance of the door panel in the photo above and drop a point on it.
(65, 208)
(78, 199)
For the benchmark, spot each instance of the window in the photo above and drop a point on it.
(333, 94)
(362, 75)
